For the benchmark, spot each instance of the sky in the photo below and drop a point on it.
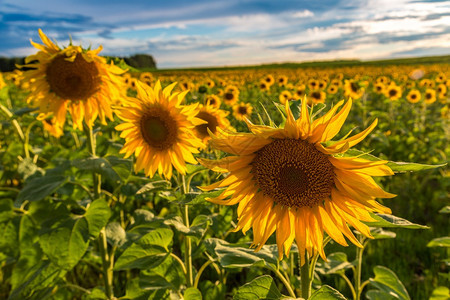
(201, 33)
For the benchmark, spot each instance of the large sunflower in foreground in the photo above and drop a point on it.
(71, 79)
(285, 180)
(159, 130)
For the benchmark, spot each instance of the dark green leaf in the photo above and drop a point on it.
(384, 220)
(148, 252)
(379, 295)
(440, 242)
(98, 165)
(38, 188)
(327, 293)
(237, 256)
(259, 288)
(199, 197)
(171, 271)
(155, 185)
(123, 167)
(386, 281)
(192, 293)
(337, 263)
(97, 216)
(27, 168)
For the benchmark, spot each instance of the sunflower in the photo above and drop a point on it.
(71, 79)
(159, 130)
(53, 127)
(332, 89)
(441, 91)
(282, 80)
(318, 96)
(213, 100)
(286, 181)
(2, 82)
(352, 89)
(269, 80)
(147, 78)
(230, 95)
(285, 96)
(393, 92)
(313, 84)
(299, 92)
(430, 96)
(210, 83)
(413, 96)
(241, 111)
(379, 88)
(264, 86)
(213, 118)
(440, 77)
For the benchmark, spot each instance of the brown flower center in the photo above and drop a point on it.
(159, 129)
(77, 80)
(392, 92)
(211, 125)
(242, 110)
(229, 96)
(293, 173)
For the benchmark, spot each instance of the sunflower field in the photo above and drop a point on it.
(265, 182)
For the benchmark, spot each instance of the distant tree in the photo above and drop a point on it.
(8, 64)
(141, 61)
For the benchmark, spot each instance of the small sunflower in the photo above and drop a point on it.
(269, 80)
(413, 96)
(159, 130)
(282, 80)
(313, 84)
(213, 100)
(230, 95)
(2, 82)
(213, 118)
(430, 96)
(393, 92)
(379, 88)
(285, 180)
(332, 89)
(72, 79)
(264, 86)
(285, 96)
(147, 78)
(352, 89)
(241, 111)
(318, 96)
(299, 92)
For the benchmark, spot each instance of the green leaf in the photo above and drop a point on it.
(71, 238)
(194, 198)
(27, 168)
(38, 188)
(379, 295)
(170, 270)
(384, 220)
(97, 216)
(236, 256)
(98, 165)
(192, 293)
(440, 242)
(154, 185)
(379, 233)
(387, 282)
(197, 228)
(115, 234)
(440, 293)
(123, 167)
(445, 210)
(148, 252)
(262, 287)
(337, 263)
(327, 293)
(401, 167)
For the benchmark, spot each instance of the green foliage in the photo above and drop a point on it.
(262, 287)
(387, 284)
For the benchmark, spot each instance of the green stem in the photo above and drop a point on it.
(359, 254)
(285, 282)
(17, 127)
(177, 259)
(350, 285)
(200, 271)
(92, 145)
(107, 264)
(187, 240)
(305, 279)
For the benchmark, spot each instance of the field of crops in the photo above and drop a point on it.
(315, 182)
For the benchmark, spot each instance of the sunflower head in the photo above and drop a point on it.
(241, 111)
(72, 78)
(213, 118)
(287, 181)
(158, 129)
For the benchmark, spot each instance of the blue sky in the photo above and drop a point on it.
(200, 33)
